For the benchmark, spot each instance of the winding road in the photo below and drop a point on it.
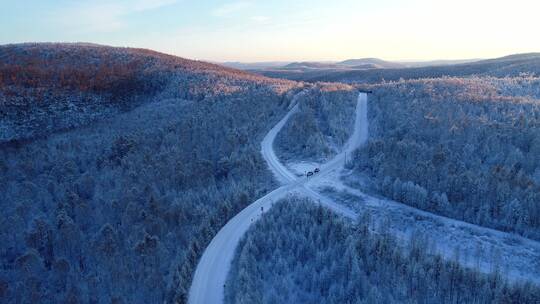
(211, 273)
(519, 257)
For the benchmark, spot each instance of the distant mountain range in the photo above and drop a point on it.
(349, 64)
(371, 70)
(308, 65)
(417, 64)
(371, 63)
(253, 65)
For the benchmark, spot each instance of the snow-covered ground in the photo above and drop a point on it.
(478, 247)
(484, 249)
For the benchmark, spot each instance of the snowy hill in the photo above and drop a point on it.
(48, 87)
(121, 165)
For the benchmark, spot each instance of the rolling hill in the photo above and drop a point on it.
(117, 167)
(48, 87)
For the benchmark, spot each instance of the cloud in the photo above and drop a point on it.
(101, 16)
(260, 19)
(144, 5)
(230, 8)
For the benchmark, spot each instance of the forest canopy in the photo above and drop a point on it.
(463, 148)
(303, 253)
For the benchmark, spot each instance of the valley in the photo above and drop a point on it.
(150, 178)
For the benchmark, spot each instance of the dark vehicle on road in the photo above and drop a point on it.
(309, 174)
(317, 170)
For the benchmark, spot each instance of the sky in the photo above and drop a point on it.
(283, 30)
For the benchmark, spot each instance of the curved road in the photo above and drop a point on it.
(212, 270)
(211, 273)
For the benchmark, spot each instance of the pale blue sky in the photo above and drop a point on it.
(256, 30)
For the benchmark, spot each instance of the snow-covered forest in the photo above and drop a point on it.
(118, 166)
(47, 87)
(321, 126)
(464, 148)
(83, 211)
(303, 253)
(120, 210)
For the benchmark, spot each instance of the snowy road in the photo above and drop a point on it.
(281, 173)
(211, 273)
